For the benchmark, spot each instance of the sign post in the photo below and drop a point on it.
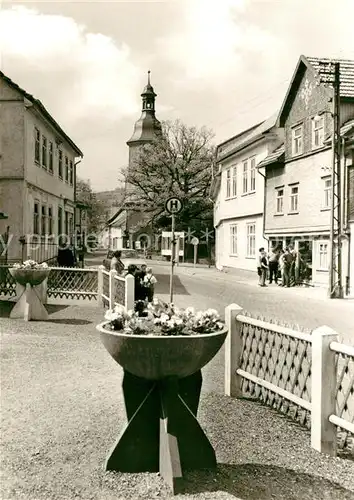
(195, 243)
(173, 207)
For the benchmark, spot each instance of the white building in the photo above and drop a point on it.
(37, 175)
(238, 191)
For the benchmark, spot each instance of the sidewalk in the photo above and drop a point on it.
(62, 409)
(250, 278)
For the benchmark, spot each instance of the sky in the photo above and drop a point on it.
(223, 64)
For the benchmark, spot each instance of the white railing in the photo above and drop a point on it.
(114, 289)
(288, 369)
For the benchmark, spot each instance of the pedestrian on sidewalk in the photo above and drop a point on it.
(274, 264)
(116, 263)
(287, 266)
(262, 266)
(281, 267)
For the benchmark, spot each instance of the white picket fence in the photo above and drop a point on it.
(114, 289)
(306, 376)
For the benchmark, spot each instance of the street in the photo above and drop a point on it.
(203, 288)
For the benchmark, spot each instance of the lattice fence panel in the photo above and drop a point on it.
(7, 283)
(345, 398)
(119, 291)
(73, 283)
(281, 360)
(105, 299)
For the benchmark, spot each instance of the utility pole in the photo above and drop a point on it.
(330, 74)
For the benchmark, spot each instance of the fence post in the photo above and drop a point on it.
(233, 349)
(129, 292)
(112, 288)
(100, 286)
(323, 391)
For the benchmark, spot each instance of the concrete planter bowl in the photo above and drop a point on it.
(32, 276)
(161, 385)
(155, 357)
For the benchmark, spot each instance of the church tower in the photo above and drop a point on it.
(148, 126)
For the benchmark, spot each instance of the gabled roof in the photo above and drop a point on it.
(40, 107)
(245, 138)
(276, 156)
(312, 64)
(115, 216)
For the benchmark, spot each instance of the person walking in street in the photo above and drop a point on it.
(262, 267)
(274, 265)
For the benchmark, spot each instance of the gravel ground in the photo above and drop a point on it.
(62, 409)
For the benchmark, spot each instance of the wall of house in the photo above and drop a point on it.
(37, 174)
(242, 209)
(224, 255)
(242, 204)
(310, 100)
(12, 203)
(351, 193)
(312, 216)
(351, 259)
(11, 132)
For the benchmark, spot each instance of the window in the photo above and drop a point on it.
(66, 223)
(228, 183)
(60, 164)
(50, 220)
(234, 181)
(245, 177)
(66, 169)
(253, 175)
(251, 240)
(37, 145)
(233, 239)
(71, 226)
(36, 218)
(50, 159)
(71, 173)
(44, 151)
(280, 201)
(323, 256)
(317, 132)
(327, 192)
(294, 199)
(231, 182)
(60, 220)
(297, 140)
(44, 220)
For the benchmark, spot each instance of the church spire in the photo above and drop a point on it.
(148, 126)
(148, 96)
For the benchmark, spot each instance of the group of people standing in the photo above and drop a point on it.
(145, 281)
(279, 266)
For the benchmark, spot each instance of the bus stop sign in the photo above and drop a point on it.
(173, 206)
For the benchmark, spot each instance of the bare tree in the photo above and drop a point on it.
(180, 163)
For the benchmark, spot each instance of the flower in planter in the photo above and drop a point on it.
(160, 318)
(31, 264)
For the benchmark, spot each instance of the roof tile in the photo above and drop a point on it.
(346, 70)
